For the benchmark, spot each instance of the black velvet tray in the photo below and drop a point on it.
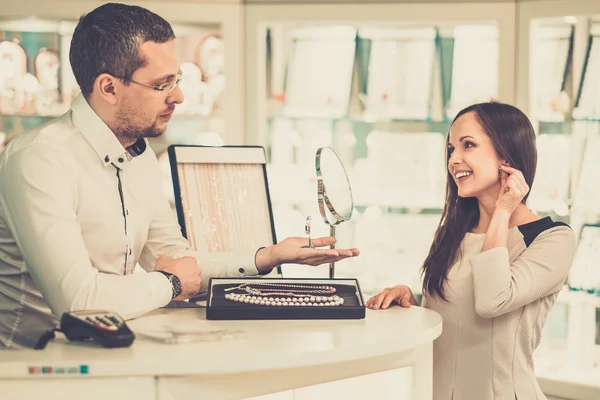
(220, 308)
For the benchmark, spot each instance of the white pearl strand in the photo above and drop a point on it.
(286, 301)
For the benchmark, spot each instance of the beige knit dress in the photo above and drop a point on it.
(497, 304)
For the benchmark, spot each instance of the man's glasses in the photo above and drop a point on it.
(166, 88)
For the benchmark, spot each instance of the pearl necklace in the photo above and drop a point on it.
(268, 294)
(282, 289)
(286, 301)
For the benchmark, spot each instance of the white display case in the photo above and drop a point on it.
(402, 71)
(556, 85)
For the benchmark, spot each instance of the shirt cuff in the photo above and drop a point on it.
(162, 290)
(244, 263)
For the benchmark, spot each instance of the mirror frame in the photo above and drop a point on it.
(322, 197)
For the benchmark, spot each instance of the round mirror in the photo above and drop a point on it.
(334, 192)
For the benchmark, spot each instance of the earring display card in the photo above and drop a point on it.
(588, 104)
(553, 178)
(274, 298)
(549, 60)
(585, 274)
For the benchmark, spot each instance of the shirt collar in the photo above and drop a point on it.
(101, 137)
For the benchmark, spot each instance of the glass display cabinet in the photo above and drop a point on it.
(558, 86)
(380, 85)
(36, 81)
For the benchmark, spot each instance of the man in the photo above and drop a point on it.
(80, 197)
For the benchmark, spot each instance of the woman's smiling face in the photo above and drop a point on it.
(472, 159)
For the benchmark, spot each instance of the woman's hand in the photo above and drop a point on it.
(400, 294)
(514, 188)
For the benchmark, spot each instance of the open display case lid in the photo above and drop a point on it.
(222, 197)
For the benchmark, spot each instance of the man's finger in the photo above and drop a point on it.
(308, 253)
(323, 241)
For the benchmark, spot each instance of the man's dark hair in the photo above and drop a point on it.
(106, 40)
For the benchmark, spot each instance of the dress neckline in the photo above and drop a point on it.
(516, 227)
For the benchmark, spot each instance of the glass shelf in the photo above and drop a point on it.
(551, 58)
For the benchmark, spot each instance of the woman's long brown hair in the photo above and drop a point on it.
(513, 138)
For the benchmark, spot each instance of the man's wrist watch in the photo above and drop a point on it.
(175, 283)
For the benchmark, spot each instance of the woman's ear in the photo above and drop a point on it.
(503, 163)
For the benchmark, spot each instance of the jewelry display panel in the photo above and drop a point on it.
(266, 298)
(587, 192)
(222, 197)
(398, 89)
(551, 188)
(319, 79)
(201, 51)
(30, 83)
(550, 66)
(587, 105)
(475, 66)
(585, 273)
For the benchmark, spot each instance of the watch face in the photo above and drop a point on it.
(176, 285)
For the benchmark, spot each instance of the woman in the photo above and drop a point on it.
(494, 268)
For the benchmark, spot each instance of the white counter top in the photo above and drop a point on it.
(272, 355)
(263, 344)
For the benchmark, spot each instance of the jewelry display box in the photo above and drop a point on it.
(222, 197)
(278, 298)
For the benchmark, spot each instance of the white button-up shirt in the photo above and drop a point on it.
(77, 213)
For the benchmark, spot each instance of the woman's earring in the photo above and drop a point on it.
(500, 172)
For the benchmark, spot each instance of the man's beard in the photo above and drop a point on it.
(130, 130)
